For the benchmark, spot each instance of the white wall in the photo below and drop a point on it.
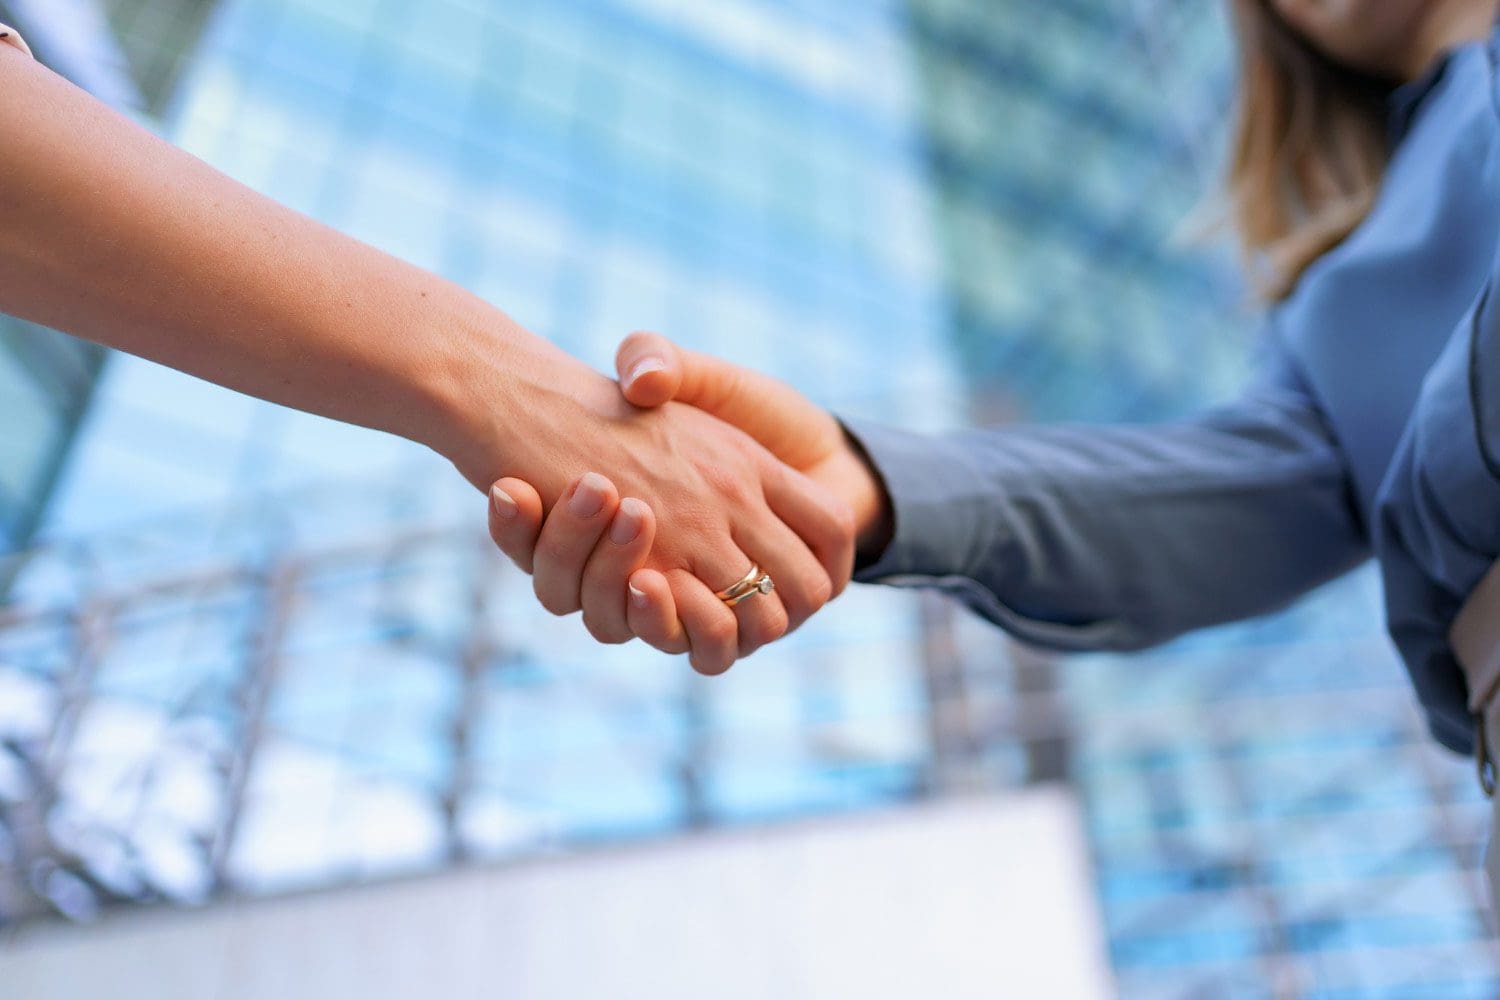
(975, 898)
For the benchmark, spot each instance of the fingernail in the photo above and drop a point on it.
(626, 526)
(646, 366)
(503, 502)
(588, 498)
(638, 597)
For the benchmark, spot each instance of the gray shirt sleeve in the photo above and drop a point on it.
(1121, 537)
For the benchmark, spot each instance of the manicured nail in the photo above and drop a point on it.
(646, 366)
(626, 526)
(638, 597)
(503, 502)
(588, 498)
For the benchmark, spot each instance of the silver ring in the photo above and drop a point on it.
(752, 583)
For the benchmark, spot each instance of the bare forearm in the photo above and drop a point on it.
(111, 234)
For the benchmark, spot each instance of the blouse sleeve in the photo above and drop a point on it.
(1121, 537)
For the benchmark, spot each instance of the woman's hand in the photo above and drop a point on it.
(583, 556)
(722, 503)
(653, 370)
(582, 561)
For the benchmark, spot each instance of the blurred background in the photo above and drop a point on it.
(274, 720)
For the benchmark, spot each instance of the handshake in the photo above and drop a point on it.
(744, 502)
(756, 501)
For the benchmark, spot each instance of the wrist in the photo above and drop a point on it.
(496, 397)
(859, 485)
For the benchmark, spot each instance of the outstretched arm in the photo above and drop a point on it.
(1068, 537)
(109, 233)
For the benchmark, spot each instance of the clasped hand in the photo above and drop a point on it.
(597, 552)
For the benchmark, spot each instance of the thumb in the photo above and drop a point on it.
(650, 368)
(785, 422)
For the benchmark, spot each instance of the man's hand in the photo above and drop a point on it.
(597, 561)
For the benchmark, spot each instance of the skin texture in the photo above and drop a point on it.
(108, 233)
(713, 496)
(1397, 39)
(790, 426)
(599, 576)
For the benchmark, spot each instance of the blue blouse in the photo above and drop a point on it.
(1371, 427)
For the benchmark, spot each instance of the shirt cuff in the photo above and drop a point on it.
(10, 36)
(955, 531)
(942, 524)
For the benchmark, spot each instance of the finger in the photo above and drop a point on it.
(572, 529)
(606, 577)
(515, 520)
(711, 627)
(653, 370)
(763, 618)
(759, 620)
(653, 612)
(823, 522)
(802, 584)
(650, 369)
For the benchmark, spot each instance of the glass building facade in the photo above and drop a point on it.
(45, 382)
(46, 379)
(157, 39)
(256, 650)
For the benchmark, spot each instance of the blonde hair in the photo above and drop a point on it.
(1308, 149)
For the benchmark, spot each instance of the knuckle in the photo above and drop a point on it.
(822, 590)
(838, 586)
(805, 593)
(768, 627)
(512, 542)
(711, 666)
(556, 608)
(671, 646)
(554, 602)
(510, 552)
(648, 629)
(813, 588)
(606, 632)
(844, 522)
(723, 632)
(781, 621)
(554, 548)
(728, 481)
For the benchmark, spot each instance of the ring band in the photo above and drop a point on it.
(752, 583)
(762, 586)
(742, 584)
